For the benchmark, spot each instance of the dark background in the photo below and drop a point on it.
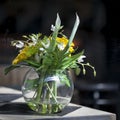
(98, 32)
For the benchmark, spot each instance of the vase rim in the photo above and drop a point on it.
(52, 78)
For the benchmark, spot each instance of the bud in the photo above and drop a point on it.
(77, 71)
(84, 71)
(95, 73)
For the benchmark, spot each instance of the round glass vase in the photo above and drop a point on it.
(47, 94)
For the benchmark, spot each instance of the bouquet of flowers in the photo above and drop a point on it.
(49, 56)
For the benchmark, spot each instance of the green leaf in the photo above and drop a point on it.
(57, 22)
(32, 63)
(11, 67)
(77, 22)
(64, 79)
(55, 33)
(31, 84)
(69, 61)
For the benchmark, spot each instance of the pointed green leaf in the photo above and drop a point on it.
(77, 22)
(32, 63)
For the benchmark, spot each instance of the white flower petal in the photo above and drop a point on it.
(34, 40)
(80, 59)
(19, 44)
(61, 46)
(31, 44)
(41, 49)
(52, 28)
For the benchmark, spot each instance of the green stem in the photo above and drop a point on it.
(39, 90)
(55, 88)
(51, 92)
(87, 64)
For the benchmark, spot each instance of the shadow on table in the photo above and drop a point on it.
(9, 97)
(23, 109)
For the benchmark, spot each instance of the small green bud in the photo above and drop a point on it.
(77, 71)
(84, 71)
(95, 73)
(88, 64)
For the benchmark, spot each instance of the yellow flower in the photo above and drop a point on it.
(71, 49)
(62, 42)
(25, 53)
(19, 58)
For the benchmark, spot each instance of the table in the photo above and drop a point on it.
(14, 108)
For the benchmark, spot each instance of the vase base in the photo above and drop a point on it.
(48, 107)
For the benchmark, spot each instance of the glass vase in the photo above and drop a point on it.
(47, 94)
